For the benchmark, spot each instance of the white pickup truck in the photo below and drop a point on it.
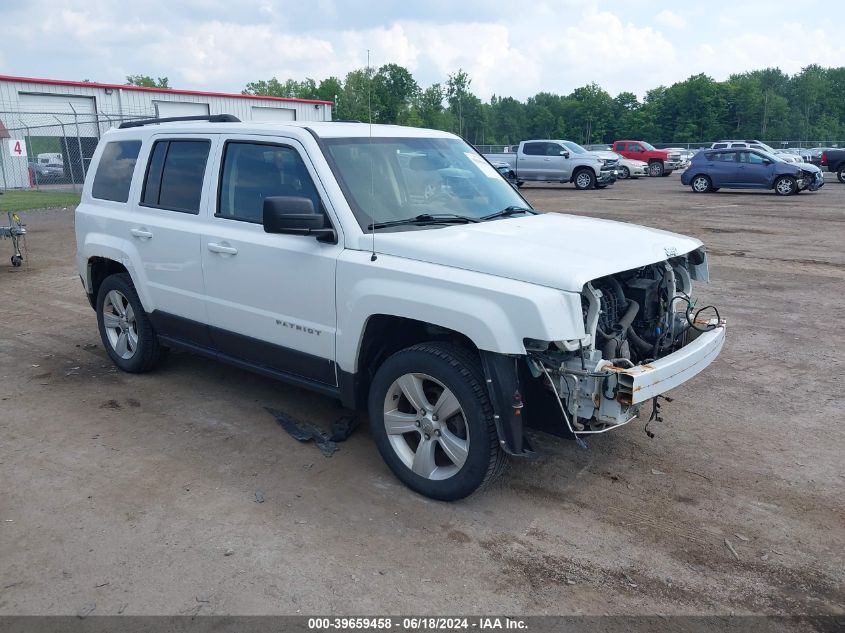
(555, 161)
(393, 269)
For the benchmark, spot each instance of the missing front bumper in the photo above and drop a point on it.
(644, 382)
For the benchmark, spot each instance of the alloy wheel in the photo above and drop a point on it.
(582, 180)
(120, 324)
(426, 426)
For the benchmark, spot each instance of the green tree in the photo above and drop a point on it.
(147, 81)
(306, 89)
(393, 88)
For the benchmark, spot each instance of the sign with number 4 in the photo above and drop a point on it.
(17, 147)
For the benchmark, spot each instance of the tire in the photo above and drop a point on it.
(666, 173)
(624, 173)
(841, 174)
(427, 371)
(786, 186)
(655, 168)
(129, 338)
(584, 179)
(701, 184)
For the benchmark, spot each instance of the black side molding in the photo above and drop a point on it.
(211, 118)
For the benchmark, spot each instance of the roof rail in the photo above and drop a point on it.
(211, 118)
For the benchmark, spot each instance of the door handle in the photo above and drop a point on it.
(222, 248)
(143, 234)
(547, 159)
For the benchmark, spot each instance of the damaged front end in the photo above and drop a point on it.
(811, 179)
(644, 335)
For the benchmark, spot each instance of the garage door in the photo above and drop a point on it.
(56, 103)
(179, 108)
(71, 110)
(260, 113)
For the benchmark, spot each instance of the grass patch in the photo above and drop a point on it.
(24, 200)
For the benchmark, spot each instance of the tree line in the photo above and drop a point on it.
(767, 104)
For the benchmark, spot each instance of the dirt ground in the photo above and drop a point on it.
(137, 494)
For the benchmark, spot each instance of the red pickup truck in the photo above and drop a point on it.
(660, 161)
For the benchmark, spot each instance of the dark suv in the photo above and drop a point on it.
(745, 168)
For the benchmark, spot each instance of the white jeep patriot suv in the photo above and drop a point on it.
(394, 269)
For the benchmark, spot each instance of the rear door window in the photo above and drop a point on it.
(175, 175)
(534, 149)
(114, 172)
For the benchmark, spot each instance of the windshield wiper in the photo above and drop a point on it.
(512, 210)
(425, 218)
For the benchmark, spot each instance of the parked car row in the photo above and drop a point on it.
(591, 167)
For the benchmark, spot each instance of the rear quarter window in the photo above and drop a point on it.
(115, 170)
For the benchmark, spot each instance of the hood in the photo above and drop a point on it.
(604, 154)
(810, 167)
(633, 162)
(550, 249)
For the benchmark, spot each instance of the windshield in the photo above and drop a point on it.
(574, 147)
(771, 155)
(649, 147)
(390, 179)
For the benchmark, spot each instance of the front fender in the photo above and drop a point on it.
(495, 313)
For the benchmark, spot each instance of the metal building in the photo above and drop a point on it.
(49, 128)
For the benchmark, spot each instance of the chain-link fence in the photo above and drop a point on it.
(52, 150)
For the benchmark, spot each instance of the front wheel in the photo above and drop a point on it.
(624, 173)
(126, 331)
(655, 168)
(584, 179)
(786, 186)
(701, 184)
(432, 421)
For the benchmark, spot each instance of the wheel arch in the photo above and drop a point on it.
(579, 168)
(97, 270)
(384, 335)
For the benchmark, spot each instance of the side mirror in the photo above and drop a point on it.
(766, 161)
(564, 153)
(295, 216)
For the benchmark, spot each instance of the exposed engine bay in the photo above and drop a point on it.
(637, 323)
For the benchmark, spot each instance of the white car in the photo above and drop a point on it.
(755, 144)
(311, 252)
(630, 168)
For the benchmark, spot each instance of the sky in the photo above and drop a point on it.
(222, 45)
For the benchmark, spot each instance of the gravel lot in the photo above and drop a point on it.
(137, 494)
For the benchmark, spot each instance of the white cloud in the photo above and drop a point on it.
(555, 46)
(670, 20)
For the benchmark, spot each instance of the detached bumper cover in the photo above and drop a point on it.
(644, 382)
(606, 177)
(817, 182)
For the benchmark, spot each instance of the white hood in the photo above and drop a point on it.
(550, 249)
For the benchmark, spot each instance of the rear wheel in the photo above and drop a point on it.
(701, 184)
(655, 168)
(125, 329)
(786, 186)
(432, 421)
(841, 174)
(584, 179)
